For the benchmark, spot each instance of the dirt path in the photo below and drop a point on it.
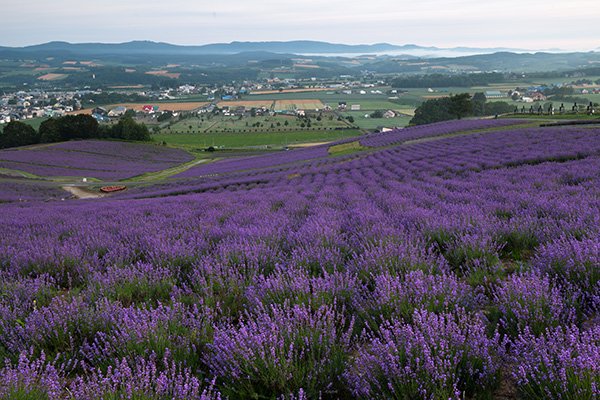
(82, 192)
(310, 144)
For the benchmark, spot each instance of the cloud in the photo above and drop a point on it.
(540, 23)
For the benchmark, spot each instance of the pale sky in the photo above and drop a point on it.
(530, 24)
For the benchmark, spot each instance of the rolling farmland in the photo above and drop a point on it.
(298, 105)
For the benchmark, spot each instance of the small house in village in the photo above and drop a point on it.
(493, 94)
(117, 111)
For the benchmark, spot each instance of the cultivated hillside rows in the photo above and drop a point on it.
(473, 152)
(398, 136)
(466, 267)
(93, 158)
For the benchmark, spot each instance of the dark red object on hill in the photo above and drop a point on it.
(111, 189)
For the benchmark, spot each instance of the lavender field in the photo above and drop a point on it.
(466, 267)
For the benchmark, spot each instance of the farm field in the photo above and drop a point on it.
(163, 106)
(281, 103)
(374, 123)
(259, 92)
(233, 124)
(195, 141)
(51, 77)
(33, 122)
(368, 101)
(448, 261)
(298, 105)
(247, 103)
(166, 74)
(210, 124)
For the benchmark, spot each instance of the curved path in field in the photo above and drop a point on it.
(82, 192)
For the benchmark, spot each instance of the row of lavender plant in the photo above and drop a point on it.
(386, 276)
(99, 159)
(470, 152)
(248, 163)
(119, 149)
(14, 190)
(398, 136)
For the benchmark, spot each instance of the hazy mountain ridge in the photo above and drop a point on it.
(289, 47)
(252, 55)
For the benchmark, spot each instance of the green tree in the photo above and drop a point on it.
(430, 111)
(128, 129)
(460, 105)
(167, 115)
(498, 107)
(79, 127)
(478, 102)
(50, 131)
(18, 134)
(69, 127)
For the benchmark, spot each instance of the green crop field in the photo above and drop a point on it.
(373, 123)
(34, 122)
(196, 141)
(372, 105)
(231, 124)
(333, 97)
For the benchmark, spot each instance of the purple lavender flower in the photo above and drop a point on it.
(575, 263)
(564, 363)
(257, 280)
(142, 378)
(397, 297)
(32, 377)
(436, 357)
(531, 300)
(280, 350)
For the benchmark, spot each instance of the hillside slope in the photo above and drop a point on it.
(415, 268)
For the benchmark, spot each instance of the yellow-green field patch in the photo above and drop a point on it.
(345, 148)
(290, 105)
(52, 77)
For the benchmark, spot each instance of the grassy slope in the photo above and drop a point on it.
(238, 140)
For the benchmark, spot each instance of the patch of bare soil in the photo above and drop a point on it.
(82, 192)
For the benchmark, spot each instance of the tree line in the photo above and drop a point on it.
(457, 107)
(71, 127)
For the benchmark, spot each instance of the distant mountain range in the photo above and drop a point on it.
(327, 59)
(290, 47)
